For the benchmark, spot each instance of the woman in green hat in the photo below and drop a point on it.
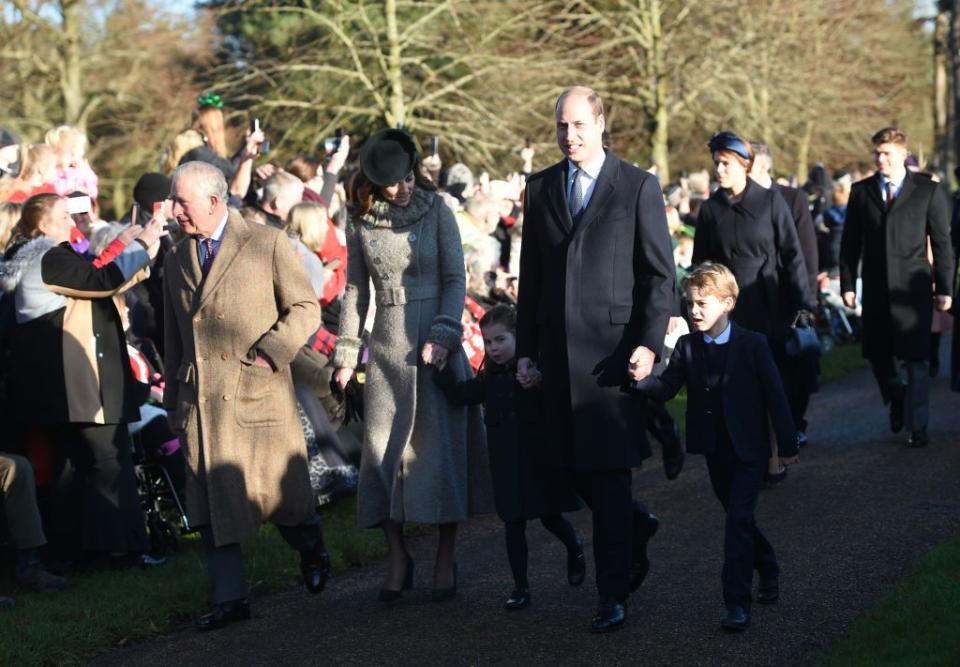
(424, 460)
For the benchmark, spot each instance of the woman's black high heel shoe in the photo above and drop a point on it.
(390, 595)
(444, 594)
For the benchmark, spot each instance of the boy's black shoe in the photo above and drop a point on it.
(736, 620)
(610, 616)
(919, 438)
(519, 599)
(768, 591)
(223, 615)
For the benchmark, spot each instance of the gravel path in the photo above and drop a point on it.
(850, 520)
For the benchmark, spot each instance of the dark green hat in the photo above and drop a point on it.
(388, 156)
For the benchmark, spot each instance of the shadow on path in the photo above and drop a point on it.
(849, 521)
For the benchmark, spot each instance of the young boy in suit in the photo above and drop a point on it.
(735, 398)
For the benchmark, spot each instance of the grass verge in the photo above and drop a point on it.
(914, 624)
(108, 608)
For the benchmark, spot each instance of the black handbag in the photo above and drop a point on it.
(802, 340)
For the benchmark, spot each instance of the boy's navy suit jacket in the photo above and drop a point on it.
(751, 391)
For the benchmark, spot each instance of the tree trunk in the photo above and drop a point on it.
(941, 105)
(660, 136)
(803, 151)
(396, 115)
(953, 43)
(70, 65)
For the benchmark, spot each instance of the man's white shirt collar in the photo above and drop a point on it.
(218, 232)
(722, 339)
(591, 168)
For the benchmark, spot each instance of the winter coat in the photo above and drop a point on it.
(751, 395)
(898, 282)
(238, 422)
(67, 360)
(756, 239)
(523, 486)
(423, 459)
(590, 293)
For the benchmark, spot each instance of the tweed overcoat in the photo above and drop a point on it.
(591, 291)
(898, 281)
(238, 423)
(424, 460)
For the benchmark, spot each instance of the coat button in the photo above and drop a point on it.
(203, 399)
(197, 319)
(220, 316)
(226, 397)
(224, 356)
(708, 412)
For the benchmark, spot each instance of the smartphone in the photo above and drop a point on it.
(157, 207)
(435, 145)
(78, 205)
(265, 147)
(331, 145)
(254, 125)
(135, 214)
(529, 142)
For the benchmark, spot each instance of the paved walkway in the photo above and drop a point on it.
(850, 520)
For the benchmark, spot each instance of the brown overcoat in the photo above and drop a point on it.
(238, 423)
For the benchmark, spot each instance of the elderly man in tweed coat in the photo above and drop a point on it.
(238, 308)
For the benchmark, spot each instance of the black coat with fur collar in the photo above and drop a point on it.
(67, 359)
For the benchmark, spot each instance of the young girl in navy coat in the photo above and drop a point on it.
(734, 397)
(525, 484)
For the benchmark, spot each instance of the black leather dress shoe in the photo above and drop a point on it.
(609, 617)
(315, 568)
(644, 528)
(576, 566)
(223, 615)
(736, 620)
(918, 438)
(896, 410)
(768, 591)
(519, 599)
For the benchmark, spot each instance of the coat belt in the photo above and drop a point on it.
(398, 296)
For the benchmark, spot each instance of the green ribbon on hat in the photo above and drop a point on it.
(210, 100)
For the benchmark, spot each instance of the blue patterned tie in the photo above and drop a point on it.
(208, 260)
(576, 195)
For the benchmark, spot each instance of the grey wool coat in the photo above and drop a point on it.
(238, 423)
(423, 460)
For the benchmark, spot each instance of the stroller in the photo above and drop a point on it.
(158, 462)
(834, 322)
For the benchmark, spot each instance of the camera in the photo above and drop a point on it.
(332, 144)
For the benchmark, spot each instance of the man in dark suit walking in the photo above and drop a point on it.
(596, 293)
(890, 218)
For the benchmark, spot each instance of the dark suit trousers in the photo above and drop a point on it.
(745, 549)
(225, 563)
(608, 494)
(916, 392)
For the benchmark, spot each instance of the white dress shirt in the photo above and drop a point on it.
(897, 185)
(588, 174)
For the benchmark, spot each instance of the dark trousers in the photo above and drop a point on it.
(94, 506)
(915, 393)
(745, 549)
(608, 495)
(225, 563)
